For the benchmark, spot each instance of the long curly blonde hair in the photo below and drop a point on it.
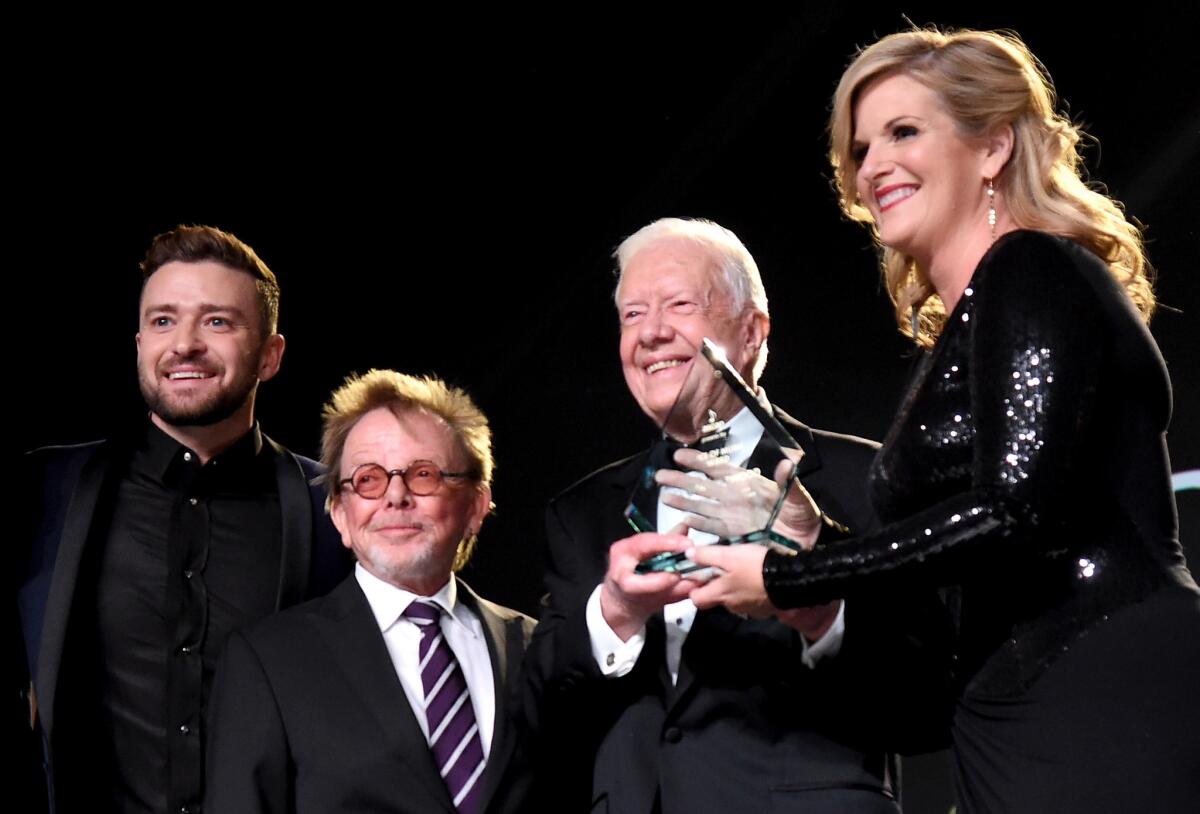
(985, 80)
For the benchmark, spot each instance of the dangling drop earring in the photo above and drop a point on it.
(991, 193)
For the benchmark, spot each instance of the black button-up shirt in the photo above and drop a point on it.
(192, 552)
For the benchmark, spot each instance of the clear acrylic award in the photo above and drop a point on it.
(711, 392)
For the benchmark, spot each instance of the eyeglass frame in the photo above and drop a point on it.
(403, 473)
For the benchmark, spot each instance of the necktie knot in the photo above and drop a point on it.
(422, 613)
(662, 453)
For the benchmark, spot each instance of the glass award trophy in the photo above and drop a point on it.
(710, 393)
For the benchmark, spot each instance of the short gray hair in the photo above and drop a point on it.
(743, 283)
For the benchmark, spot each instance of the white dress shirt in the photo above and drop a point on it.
(463, 631)
(617, 658)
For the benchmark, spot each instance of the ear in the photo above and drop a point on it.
(337, 513)
(756, 327)
(480, 506)
(999, 146)
(270, 357)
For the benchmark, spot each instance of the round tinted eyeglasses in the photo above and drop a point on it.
(371, 481)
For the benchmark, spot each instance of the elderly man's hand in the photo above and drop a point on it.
(628, 599)
(731, 501)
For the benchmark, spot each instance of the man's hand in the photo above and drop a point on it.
(731, 501)
(628, 599)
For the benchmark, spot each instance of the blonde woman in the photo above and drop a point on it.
(1027, 468)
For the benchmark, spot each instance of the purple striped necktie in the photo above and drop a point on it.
(453, 732)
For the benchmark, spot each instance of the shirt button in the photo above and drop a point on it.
(187, 456)
(183, 651)
(193, 501)
(188, 574)
(673, 734)
(185, 729)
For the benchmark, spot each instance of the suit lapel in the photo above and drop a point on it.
(765, 456)
(77, 527)
(352, 635)
(295, 525)
(505, 641)
(622, 482)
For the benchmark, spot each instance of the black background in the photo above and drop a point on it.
(442, 193)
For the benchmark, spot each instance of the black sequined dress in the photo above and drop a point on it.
(1027, 472)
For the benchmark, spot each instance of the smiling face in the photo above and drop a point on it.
(404, 539)
(201, 352)
(671, 296)
(922, 181)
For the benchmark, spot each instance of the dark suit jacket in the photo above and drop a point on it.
(308, 715)
(69, 489)
(747, 727)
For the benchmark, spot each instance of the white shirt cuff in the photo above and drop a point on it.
(828, 645)
(614, 657)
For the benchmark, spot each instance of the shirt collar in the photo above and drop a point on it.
(388, 602)
(162, 452)
(745, 431)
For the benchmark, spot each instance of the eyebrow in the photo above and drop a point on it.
(204, 308)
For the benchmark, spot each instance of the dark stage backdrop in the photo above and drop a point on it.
(442, 195)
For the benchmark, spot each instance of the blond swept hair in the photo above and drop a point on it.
(985, 80)
(402, 393)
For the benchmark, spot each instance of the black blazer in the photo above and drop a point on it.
(67, 489)
(747, 728)
(308, 715)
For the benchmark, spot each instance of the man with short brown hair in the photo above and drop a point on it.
(147, 549)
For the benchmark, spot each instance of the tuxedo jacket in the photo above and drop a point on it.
(308, 715)
(65, 514)
(747, 727)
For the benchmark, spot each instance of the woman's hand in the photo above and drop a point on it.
(738, 584)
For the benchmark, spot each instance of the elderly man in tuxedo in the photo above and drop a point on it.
(393, 692)
(641, 703)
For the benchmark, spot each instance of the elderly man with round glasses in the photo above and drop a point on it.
(392, 693)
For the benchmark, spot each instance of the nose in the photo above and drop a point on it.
(654, 328)
(397, 493)
(188, 339)
(874, 167)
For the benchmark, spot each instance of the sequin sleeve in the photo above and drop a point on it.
(1033, 337)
